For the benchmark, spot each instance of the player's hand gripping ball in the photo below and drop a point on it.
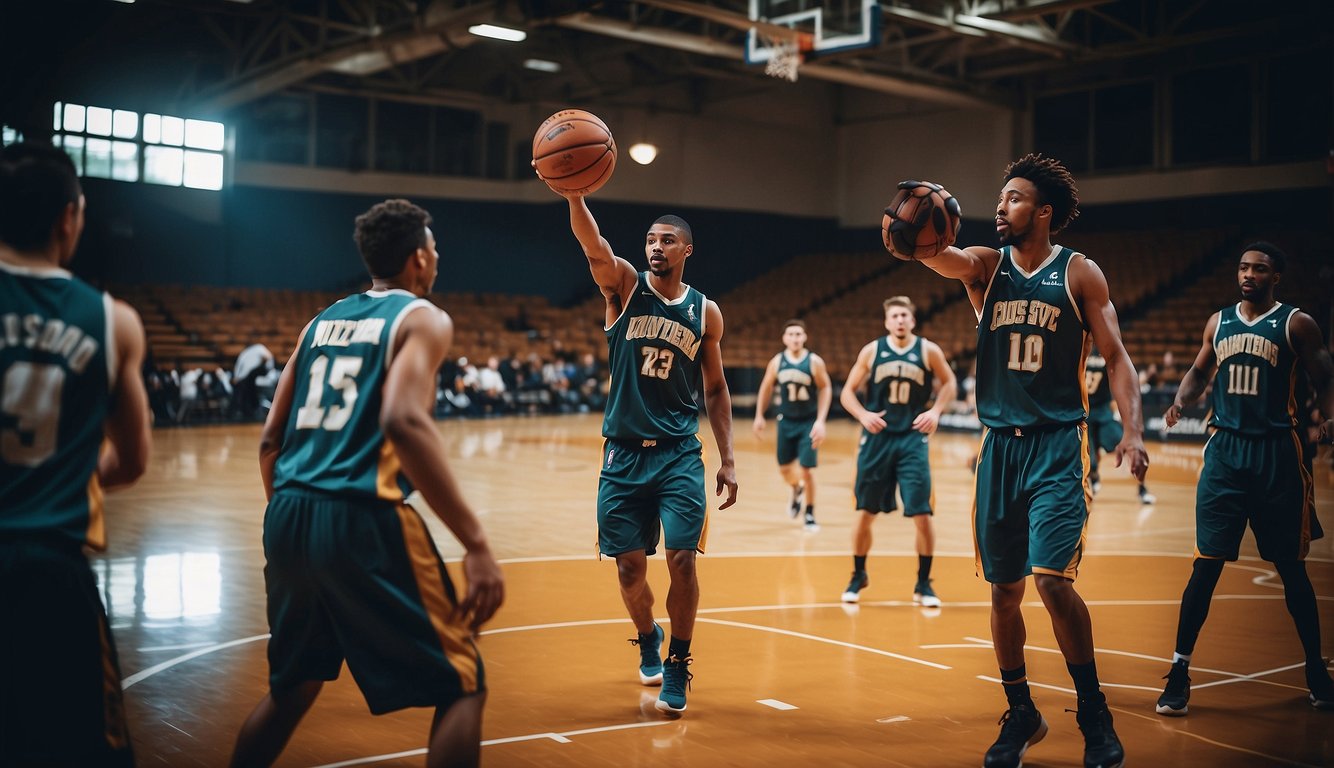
(921, 221)
(574, 152)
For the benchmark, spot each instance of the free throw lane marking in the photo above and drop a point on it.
(775, 703)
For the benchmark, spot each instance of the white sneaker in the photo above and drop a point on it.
(1147, 498)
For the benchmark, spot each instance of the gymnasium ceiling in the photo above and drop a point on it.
(211, 56)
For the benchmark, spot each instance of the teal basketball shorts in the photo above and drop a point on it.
(649, 488)
(1261, 481)
(359, 579)
(1032, 502)
(794, 442)
(890, 460)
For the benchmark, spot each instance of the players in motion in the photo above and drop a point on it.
(70, 380)
(1037, 304)
(351, 571)
(801, 419)
(1104, 425)
(902, 372)
(1253, 470)
(663, 344)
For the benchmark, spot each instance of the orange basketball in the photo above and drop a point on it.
(921, 221)
(573, 152)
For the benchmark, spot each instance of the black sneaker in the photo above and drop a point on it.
(1101, 747)
(1321, 687)
(859, 581)
(798, 496)
(1176, 693)
(1022, 726)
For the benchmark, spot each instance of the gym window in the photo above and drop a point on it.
(156, 149)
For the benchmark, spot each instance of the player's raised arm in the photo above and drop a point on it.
(766, 394)
(1197, 377)
(614, 276)
(861, 370)
(718, 401)
(1088, 286)
(1314, 356)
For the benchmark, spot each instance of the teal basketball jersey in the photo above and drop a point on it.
(796, 388)
(1255, 387)
(57, 361)
(1095, 383)
(332, 442)
(653, 356)
(900, 383)
(1030, 346)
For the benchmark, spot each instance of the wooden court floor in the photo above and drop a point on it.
(785, 675)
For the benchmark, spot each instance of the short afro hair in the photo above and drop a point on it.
(1056, 187)
(679, 223)
(388, 234)
(1276, 255)
(37, 182)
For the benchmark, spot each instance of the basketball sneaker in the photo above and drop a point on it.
(859, 582)
(1145, 497)
(1102, 749)
(811, 525)
(1321, 687)
(1176, 693)
(1096, 482)
(798, 496)
(676, 677)
(650, 656)
(1022, 726)
(924, 595)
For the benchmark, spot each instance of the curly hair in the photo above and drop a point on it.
(37, 183)
(1056, 187)
(388, 234)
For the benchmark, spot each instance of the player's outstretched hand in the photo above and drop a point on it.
(1133, 450)
(486, 587)
(726, 477)
(1172, 415)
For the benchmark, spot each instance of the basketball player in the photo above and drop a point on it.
(69, 375)
(1104, 425)
(1037, 305)
(663, 344)
(1253, 465)
(801, 420)
(902, 372)
(351, 571)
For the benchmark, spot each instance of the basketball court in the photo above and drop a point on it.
(785, 674)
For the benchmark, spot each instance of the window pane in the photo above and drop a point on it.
(9, 136)
(163, 165)
(74, 148)
(402, 132)
(125, 124)
(99, 121)
(74, 118)
(340, 132)
(173, 130)
(1211, 116)
(203, 134)
(1123, 127)
(203, 170)
(55, 126)
(125, 160)
(1298, 109)
(152, 129)
(275, 129)
(97, 161)
(1061, 129)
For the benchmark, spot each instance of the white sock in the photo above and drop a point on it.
(1177, 657)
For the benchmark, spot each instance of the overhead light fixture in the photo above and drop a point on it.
(542, 65)
(643, 152)
(495, 32)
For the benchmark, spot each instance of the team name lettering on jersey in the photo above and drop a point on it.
(343, 333)
(794, 376)
(670, 331)
(49, 335)
(1248, 344)
(899, 369)
(1023, 311)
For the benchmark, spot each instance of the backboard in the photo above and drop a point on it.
(827, 25)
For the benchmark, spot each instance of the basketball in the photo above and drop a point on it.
(921, 221)
(573, 152)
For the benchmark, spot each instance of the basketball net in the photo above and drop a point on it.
(787, 57)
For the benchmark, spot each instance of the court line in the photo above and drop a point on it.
(969, 555)
(180, 647)
(818, 639)
(562, 738)
(169, 663)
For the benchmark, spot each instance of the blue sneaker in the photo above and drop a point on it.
(650, 656)
(676, 679)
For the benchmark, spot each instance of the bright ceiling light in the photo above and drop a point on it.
(498, 33)
(542, 65)
(643, 153)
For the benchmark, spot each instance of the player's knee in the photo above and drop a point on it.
(631, 570)
(682, 562)
(1051, 586)
(1007, 596)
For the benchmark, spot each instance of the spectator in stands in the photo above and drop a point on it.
(556, 381)
(589, 377)
(253, 361)
(461, 387)
(491, 387)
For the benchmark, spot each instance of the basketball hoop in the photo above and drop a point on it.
(787, 56)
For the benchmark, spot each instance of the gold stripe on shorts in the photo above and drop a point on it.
(455, 638)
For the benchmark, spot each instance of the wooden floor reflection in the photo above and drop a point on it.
(785, 674)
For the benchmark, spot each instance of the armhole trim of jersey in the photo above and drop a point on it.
(109, 308)
(1004, 254)
(1287, 330)
(703, 313)
(1218, 328)
(392, 341)
(625, 307)
(1070, 294)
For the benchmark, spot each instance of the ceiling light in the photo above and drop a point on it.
(498, 33)
(542, 65)
(643, 153)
